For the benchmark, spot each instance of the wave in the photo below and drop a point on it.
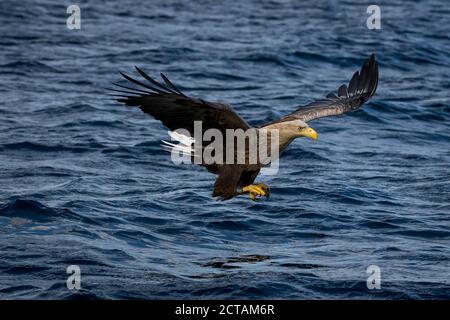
(28, 209)
(263, 58)
(34, 146)
(36, 211)
(25, 67)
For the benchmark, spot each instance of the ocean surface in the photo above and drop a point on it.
(84, 182)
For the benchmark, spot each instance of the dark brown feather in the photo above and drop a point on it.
(177, 111)
(227, 182)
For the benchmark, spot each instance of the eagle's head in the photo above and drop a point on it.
(298, 128)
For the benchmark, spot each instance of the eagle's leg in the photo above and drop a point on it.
(257, 190)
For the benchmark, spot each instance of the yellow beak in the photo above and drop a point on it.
(309, 132)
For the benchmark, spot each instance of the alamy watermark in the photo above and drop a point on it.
(74, 280)
(73, 22)
(374, 279)
(234, 146)
(374, 20)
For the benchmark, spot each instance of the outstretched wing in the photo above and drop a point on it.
(362, 86)
(167, 103)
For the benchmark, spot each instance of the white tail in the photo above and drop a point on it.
(185, 145)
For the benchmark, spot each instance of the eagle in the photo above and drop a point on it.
(177, 111)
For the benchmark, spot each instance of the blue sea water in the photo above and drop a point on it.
(84, 181)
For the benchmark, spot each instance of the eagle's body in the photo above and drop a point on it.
(177, 111)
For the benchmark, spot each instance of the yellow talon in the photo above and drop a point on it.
(257, 190)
